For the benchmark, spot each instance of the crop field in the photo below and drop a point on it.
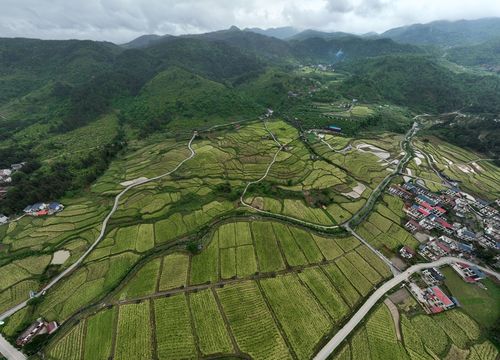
(174, 271)
(325, 292)
(212, 334)
(266, 247)
(346, 289)
(144, 281)
(329, 247)
(304, 321)
(133, 335)
(251, 322)
(174, 337)
(306, 243)
(293, 253)
(298, 210)
(98, 338)
(70, 346)
(355, 276)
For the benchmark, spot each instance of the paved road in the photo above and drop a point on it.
(9, 351)
(343, 333)
(16, 354)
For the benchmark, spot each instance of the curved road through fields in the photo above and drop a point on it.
(8, 350)
(342, 334)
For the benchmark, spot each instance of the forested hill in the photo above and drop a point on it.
(447, 33)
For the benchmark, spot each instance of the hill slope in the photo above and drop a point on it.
(447, 33)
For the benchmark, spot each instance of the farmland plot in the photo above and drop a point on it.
(205, 265)
(329, 247)
(174, 336)
(303, 320)
(70, 346)
(339, 280)
(293, 254)
(268, 253)
(252, 323)
(246, 263)
(324, 291)
(174, 271)
(98, 338)
(133, 335)
(354, 275)
(307, 245)
(144, 281)
(210, 328)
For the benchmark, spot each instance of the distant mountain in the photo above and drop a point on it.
(262, 46)
(447, 33)
(486, 55)
(347, 48)
(308, 34)
(279, 32)
(145, 41)
(420, 83)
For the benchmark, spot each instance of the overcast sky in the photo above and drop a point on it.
(122, 20)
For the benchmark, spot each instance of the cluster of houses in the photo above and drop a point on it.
(433, 299)
(42, 209)
(6, 178)
(39, 327)
(429, 212)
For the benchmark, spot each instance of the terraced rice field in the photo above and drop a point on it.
(133, 335)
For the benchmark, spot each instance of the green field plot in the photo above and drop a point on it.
(483, 351)
(307, 244)
(303, 320)
(174, 336)
(133, 335)
(227, 262)
(145, 238)
(99, 335)
(70, 346)
(329, 247)
(174, 271)
(339, 280)
(212, 334)
(368, 272)
(479, 303)
(325, 292)
(266, 247)
(11, 274)
(355, 276)
(374, 261)
(339, 214)
(205, 266)
(144, 281)
(243, 233)
(227, 235)
(297, 209)
(251, 322)
(348, 243)
(292, 251)
(431, 334)
(360, 347)
(246, 264)
(382, 336)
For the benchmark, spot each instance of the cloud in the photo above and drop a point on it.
(122, 20)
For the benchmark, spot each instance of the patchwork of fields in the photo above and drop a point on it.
(249, 286)
(192, 305)
(450, 335)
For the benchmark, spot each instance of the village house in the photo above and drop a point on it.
(468, 273)
(432, 276)
(466, 234)
(39, 327)
(3, 192)
(413, 226)
(5, 176)
(407, 253)
(397, 190)
(42, 209)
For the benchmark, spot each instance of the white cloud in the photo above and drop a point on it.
(122, 20)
